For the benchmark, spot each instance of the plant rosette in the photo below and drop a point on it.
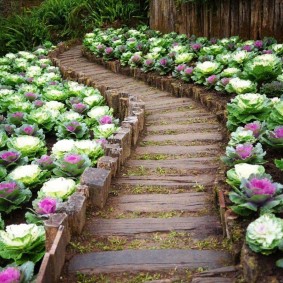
(59, 188)
(265, 234)
(274, 138)
(12, 196)
(22, 243)
(17, 274)
(12, 158)
(242, 171)
(28, 146)
(71, 165)
(244, 153)
(258, 192)
(30, 175)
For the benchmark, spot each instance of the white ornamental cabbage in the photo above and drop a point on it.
(60, 188)
(71, 116)
(104, 131)
(239, 86)
(98, 112)
(22, 242)
(61, 147)
(54, 105)
(29, 175)
(264, 234)
(28, 145)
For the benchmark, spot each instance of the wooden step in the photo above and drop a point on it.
(198, 227)
(188, 137)
(182, 128)
(167, 180)
(178, 149)
(192, 202)
(201, 163)
(146, 260)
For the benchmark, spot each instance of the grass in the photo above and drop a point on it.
(153, 157)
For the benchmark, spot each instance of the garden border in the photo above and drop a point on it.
(95, 182)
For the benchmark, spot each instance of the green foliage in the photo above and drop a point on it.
(64, 19)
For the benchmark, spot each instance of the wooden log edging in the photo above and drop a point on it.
(95, 182)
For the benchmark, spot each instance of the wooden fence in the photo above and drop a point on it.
(251, 19)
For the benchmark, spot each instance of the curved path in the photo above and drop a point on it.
(159, 222)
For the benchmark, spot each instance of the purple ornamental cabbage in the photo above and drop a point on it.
(196, 46)
(46, 206)
(9, 129)
(177, 73)
(258, 44)
(12, 196)
(211, 80)
(274, 138)
(257, 192)
(16, 118)
(38, 103)
(45, 162)
(187, 74)
(105, 120)
(71, 165)
(9, 158)
(256, 127)
(73, 129)
(79, 107)
(10, 275)
(31, 96)
(30, 130)
(247, 48)
(244, 153)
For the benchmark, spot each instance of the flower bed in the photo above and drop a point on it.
(40, 175)
(246, 75)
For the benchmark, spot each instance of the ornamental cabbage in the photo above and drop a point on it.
(17, 274)
(71, 165)
(12, 158)
(204, 70)
(43, 117)
(184, 58)
(242, 136)
(244, 153)
(264, 67)
(73, 129)
(60, 188)
(257, 192)
(12, 196)
(22, 242)
(97, 112)
(265, 234)
(248, 107)
(61, 147)
(28, 145)
(105, 131)
(276, 116)
(30, 175)
(90, 148)
(274, 138)
(242, 170)
(239, 86)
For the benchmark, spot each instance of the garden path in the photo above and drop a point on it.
(159, 222)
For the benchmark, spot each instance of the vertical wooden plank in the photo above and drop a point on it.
(267, 18)
(278, 20)
(225, 18)
(244, 18)
(255, 19)
(182, 19)
(234, 8)
(205, 20)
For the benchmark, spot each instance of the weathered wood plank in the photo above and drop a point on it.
(189, 164)
(189, 137)
(159, 202)
(179, 150)
(146, 260)
(184, 128)
(180, 114)
(198, 227)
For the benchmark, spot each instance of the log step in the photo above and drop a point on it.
(147, 260)
(159, 202)
(198, 227)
